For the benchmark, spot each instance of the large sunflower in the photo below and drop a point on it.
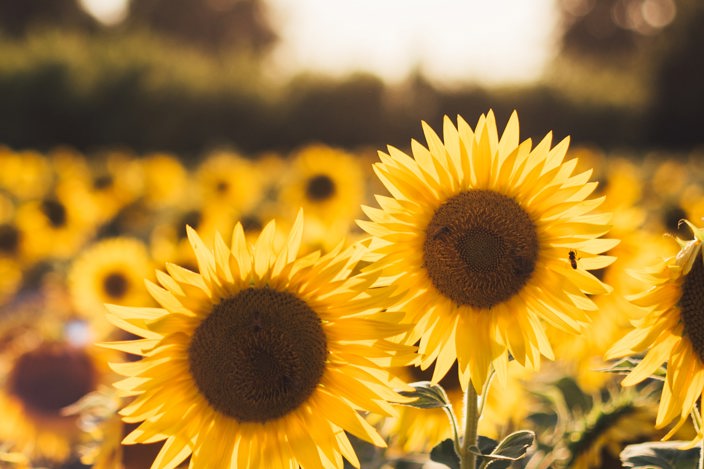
(260, 360)
(672, 332)
(488, 238)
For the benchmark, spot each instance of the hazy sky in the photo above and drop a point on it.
(495, 41)
(451, 40)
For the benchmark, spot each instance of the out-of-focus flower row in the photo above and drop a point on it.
(79, 231)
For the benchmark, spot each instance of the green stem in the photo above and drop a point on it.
(701, 455)
(468, 460)
(455, 432)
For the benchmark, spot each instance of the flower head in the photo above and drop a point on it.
(260, 358)
(671, 331)
(488, 237)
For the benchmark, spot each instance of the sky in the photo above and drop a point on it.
(497, 41)
(450, 41)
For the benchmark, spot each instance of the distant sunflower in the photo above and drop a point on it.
(600, 436)
(164, 181)
(671, 332)
(226, 178)
(26, 174)
(329, 184)
(260, 360)
(41, 379)
(478, 232)
(112, 271)
(54, 227)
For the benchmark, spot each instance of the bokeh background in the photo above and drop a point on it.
(123, 121)
(187, 75)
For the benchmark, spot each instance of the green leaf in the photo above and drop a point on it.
(427, 394)
(444, 453)
(486, 444)
(511, 448)
(660, 455)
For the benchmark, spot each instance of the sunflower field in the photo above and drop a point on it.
(207, 264)
(473, 300)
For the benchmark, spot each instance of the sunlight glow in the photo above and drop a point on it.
(108, 12)
(503, 41)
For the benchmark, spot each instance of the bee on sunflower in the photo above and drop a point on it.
(477, 232)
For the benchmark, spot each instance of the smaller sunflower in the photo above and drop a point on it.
(163, 180)
(610, 426)
(329, 185)
(671, 331)
(227, 179)
(26, 175)
(262, 358)
(55, 227)
(112, 271)
(42, 377)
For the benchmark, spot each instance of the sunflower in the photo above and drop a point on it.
(262, 358)
(480, 233)
(329, 184)
(25, 175)
(55, 227)
(583, 355)
(111, 270)
(671, 332)
(600, 436)
(163, 181)
(42, 376)
(226, 178)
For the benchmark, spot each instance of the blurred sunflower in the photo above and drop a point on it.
(262, 358)
(41, 378)
(169, 243)
(112, 271)
(108, 182)
(328, 183)
(54, 227)
(25, 175)
(226, 178)
(599, 437)
(164, 181)
(671, 332)
(478, 233)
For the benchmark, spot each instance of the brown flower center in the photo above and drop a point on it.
(258, 355)
(115, 285)
(692, 306)
(320, 187)
(49, 378)
(9, 239)
(55, 212)
(480, 248)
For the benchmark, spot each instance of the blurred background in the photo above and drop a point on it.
(185, 76)
(123, 121)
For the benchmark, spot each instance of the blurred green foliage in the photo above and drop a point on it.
(150, 89)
